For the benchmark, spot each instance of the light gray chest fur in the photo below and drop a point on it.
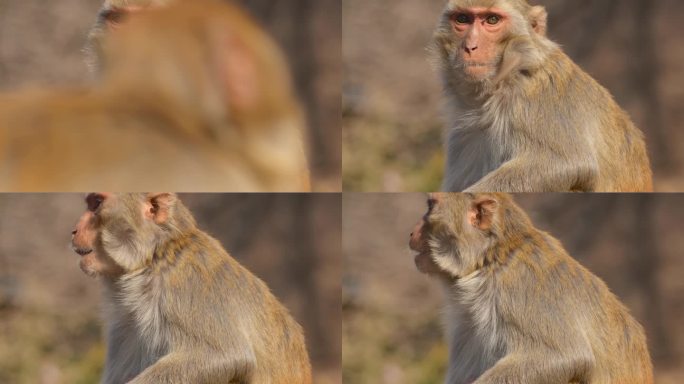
(475, 143)
(472, 330)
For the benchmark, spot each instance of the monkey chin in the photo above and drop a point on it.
(478, 71)
(425, 264)
(95, 266)
(87, 265)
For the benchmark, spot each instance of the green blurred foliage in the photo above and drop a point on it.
(62, 343)
(388, 156)
(394, 347)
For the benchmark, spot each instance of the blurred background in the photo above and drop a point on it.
(41, 43)
(50, 325)
(392, 114)
(392, 330)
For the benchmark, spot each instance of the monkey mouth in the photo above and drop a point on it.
(476, 64)
(477, 70)
(83, 251)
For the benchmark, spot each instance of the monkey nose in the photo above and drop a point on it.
(74, 232)
(471, 49)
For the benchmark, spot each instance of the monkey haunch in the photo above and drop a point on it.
(179, 308)
(522, 116)
(192, 97)
(521, 310)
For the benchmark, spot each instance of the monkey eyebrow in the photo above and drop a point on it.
(112, 14)
(479, 12)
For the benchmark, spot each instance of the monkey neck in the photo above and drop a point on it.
(170, 250)
(514, 233)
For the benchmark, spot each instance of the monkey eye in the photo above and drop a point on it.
(114, 16)
(462, 18)
(94, 201)
(493, 19)
(431, 204)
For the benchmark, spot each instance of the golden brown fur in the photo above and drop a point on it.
(519, 308)
(193, 97)
(179, 309)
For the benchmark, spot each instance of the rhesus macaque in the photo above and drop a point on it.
(523, 117)
(520, 310)
(192, 97)
(179, 309)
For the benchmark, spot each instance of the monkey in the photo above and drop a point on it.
(519, 308)
(179, 308)
(112, 15)
(194, 96)
(521, 115)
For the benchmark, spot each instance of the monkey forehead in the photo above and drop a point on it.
(135, 3)
(504, 6)
(482, 11)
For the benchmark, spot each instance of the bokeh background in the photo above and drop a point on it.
(41, 43)
(392, 331)
(50, 325)
(392, 115)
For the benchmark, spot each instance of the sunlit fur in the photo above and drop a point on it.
(519, 309)
(192, 97)
(178, 308)
(538, 122)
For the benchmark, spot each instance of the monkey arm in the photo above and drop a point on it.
(543, 367)
(197, 368)
(538, 173)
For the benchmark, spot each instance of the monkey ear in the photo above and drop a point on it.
(238, 72)
(158, 206)
(482, 211)
(538, 17)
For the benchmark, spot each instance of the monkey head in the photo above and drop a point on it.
(112, 15)
(119, 233)
(456, 231)
(210, 57)
(473, 36)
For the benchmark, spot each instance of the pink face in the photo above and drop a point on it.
(419, 237)
(84, 237)
(481, 31)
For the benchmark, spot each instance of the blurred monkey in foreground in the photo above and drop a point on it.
(192, 97)
(523, 117)
(520, 309)
(179, 309)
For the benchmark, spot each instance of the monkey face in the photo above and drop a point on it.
(118, 233)
(480, 32)
(112, 15)
(420, 239)
(85, 240)
(474, 35)
(454, 233)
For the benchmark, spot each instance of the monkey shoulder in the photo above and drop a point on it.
(549, 271)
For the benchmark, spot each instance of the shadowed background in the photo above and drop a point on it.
(392, 114)
(50, 326)
(392, 331)
(41, 43)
